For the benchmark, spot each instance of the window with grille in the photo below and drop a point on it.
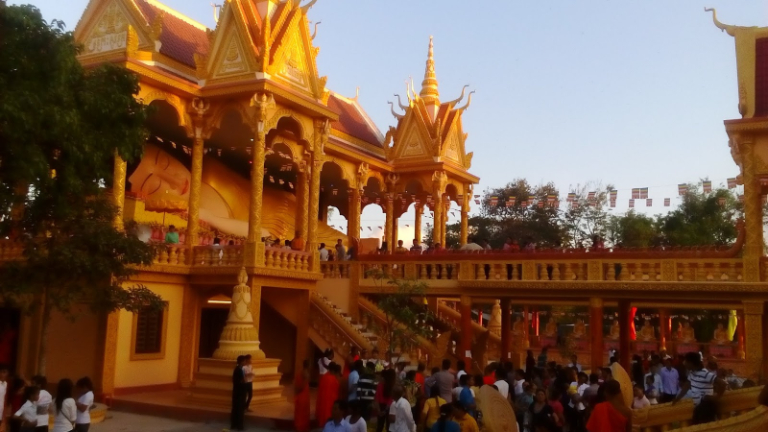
(149, 332)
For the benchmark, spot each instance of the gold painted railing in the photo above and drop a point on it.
(171, 255)
(337, 329)
(218, 256)
(663, 417)
(335, 269)
(286, 259)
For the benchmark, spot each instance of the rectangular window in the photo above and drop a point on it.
(149, 328)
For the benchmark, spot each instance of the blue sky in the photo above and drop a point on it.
(631, 93)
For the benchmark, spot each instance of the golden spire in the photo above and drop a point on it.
(429, 86)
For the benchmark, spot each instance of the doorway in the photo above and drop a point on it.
(212, 322)
(10, 320)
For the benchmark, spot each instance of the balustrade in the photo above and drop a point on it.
(286, 259)
(218, 256)
(175, 255)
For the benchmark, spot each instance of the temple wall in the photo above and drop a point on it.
(337, 291)
(138, 373)
(75, 346)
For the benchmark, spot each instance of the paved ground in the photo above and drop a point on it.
(124, 422)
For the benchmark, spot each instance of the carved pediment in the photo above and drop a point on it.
(233, 52)
(107, 29)
(293, 56)
(412, 141)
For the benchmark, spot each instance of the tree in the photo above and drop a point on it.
(587, 215)
(702, 219)
(633, 230)
(524, 223)
(402, 321)
(60, 126)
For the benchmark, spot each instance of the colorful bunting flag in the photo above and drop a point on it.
(510, 202)
(635, 193)
(644, 193)
(591, 196)
(649, 202)
(531, 198)
(721, 201)
(335, 191)
(741, 198)
(614, 194)
(632, 201)
(459, 199)
(667, 202)
(551, 199)
(571, 197)
(540, 204)
(272, 180)
(494, 201)
(613, 202)
(477, 201)
(731, 183)
(682, 189)
(707, 186)
(524, 204)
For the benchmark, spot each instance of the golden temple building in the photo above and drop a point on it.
(248, 146)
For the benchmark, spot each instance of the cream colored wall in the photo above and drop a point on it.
(335, 290)
(151, 372)
(75, 347)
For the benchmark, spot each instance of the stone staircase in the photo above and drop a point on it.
(337, 328)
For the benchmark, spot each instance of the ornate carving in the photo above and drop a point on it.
(118, 188)
(241, 333)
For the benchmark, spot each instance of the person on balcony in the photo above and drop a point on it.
(341, 251)
(172, 236)
(323, 252)
(471, 246)
(400, 249)
(297, 243)
(416, 248)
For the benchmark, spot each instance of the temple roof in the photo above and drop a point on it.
(353, 120)
(181, 37)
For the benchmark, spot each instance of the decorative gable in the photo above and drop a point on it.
(452, 148)
(413, 142)
(292, 54)
(233, 52)
(107, 30)
(292, 67)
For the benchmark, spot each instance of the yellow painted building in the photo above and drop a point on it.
(247, 145)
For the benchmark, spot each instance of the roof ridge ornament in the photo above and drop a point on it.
(461, 97)
(469, 101)
(429, 91)
(730, 29)
(308, 6)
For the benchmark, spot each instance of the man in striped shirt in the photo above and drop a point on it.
(366, 389)
(701, 388)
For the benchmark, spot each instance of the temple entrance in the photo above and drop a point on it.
(212, 321)
(10, 319)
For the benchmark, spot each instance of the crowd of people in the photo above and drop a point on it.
(28, 406)
(545, 396)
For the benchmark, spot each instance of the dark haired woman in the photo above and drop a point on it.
(444, 423)
(64, 407)
(84, 390)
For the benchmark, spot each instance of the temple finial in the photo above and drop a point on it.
(429, 92)
(723, 27)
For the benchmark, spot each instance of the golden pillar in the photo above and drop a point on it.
(302, 198)
(437, 231)
(753, 327)
(254, 249)
(417, 222)
(322, 130)
(193, 223)
(389, 226)
(444, 224)
(353, 227)
(753, 210)
(190, 333)
(464, 220)
(241, 333)
(110, 354)
(395, 231)
(118, 188)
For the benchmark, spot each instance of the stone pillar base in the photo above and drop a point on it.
(213, 382)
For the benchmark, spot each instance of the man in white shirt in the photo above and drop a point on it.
(44, 400)
(27, 414)
(400, 414)
(248, 372)
(501, 383)
(471, 247)
(574, 363)
(354, 378)
(323, 252)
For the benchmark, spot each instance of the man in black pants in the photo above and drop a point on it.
(237, 416)
(248, 373)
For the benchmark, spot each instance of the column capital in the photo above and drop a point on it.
(465, 300)
(596, 302)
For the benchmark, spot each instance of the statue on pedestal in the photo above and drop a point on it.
(615, 331)
(647, 332)
(721, 335)
(579, 329)
(551, 329)
(687, 334)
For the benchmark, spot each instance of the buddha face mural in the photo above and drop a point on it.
(160, 174)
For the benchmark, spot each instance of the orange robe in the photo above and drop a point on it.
(605, 418)
(301, 404)
(327, 394)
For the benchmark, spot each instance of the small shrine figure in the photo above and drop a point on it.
(518, 327)
(647, 332)
(721, 335)
(551, 329)
(687, 334)
(615, 331)
(579, 329)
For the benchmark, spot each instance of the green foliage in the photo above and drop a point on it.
(60, 126)
(633, 230)
(403, 320)
(588, 217)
